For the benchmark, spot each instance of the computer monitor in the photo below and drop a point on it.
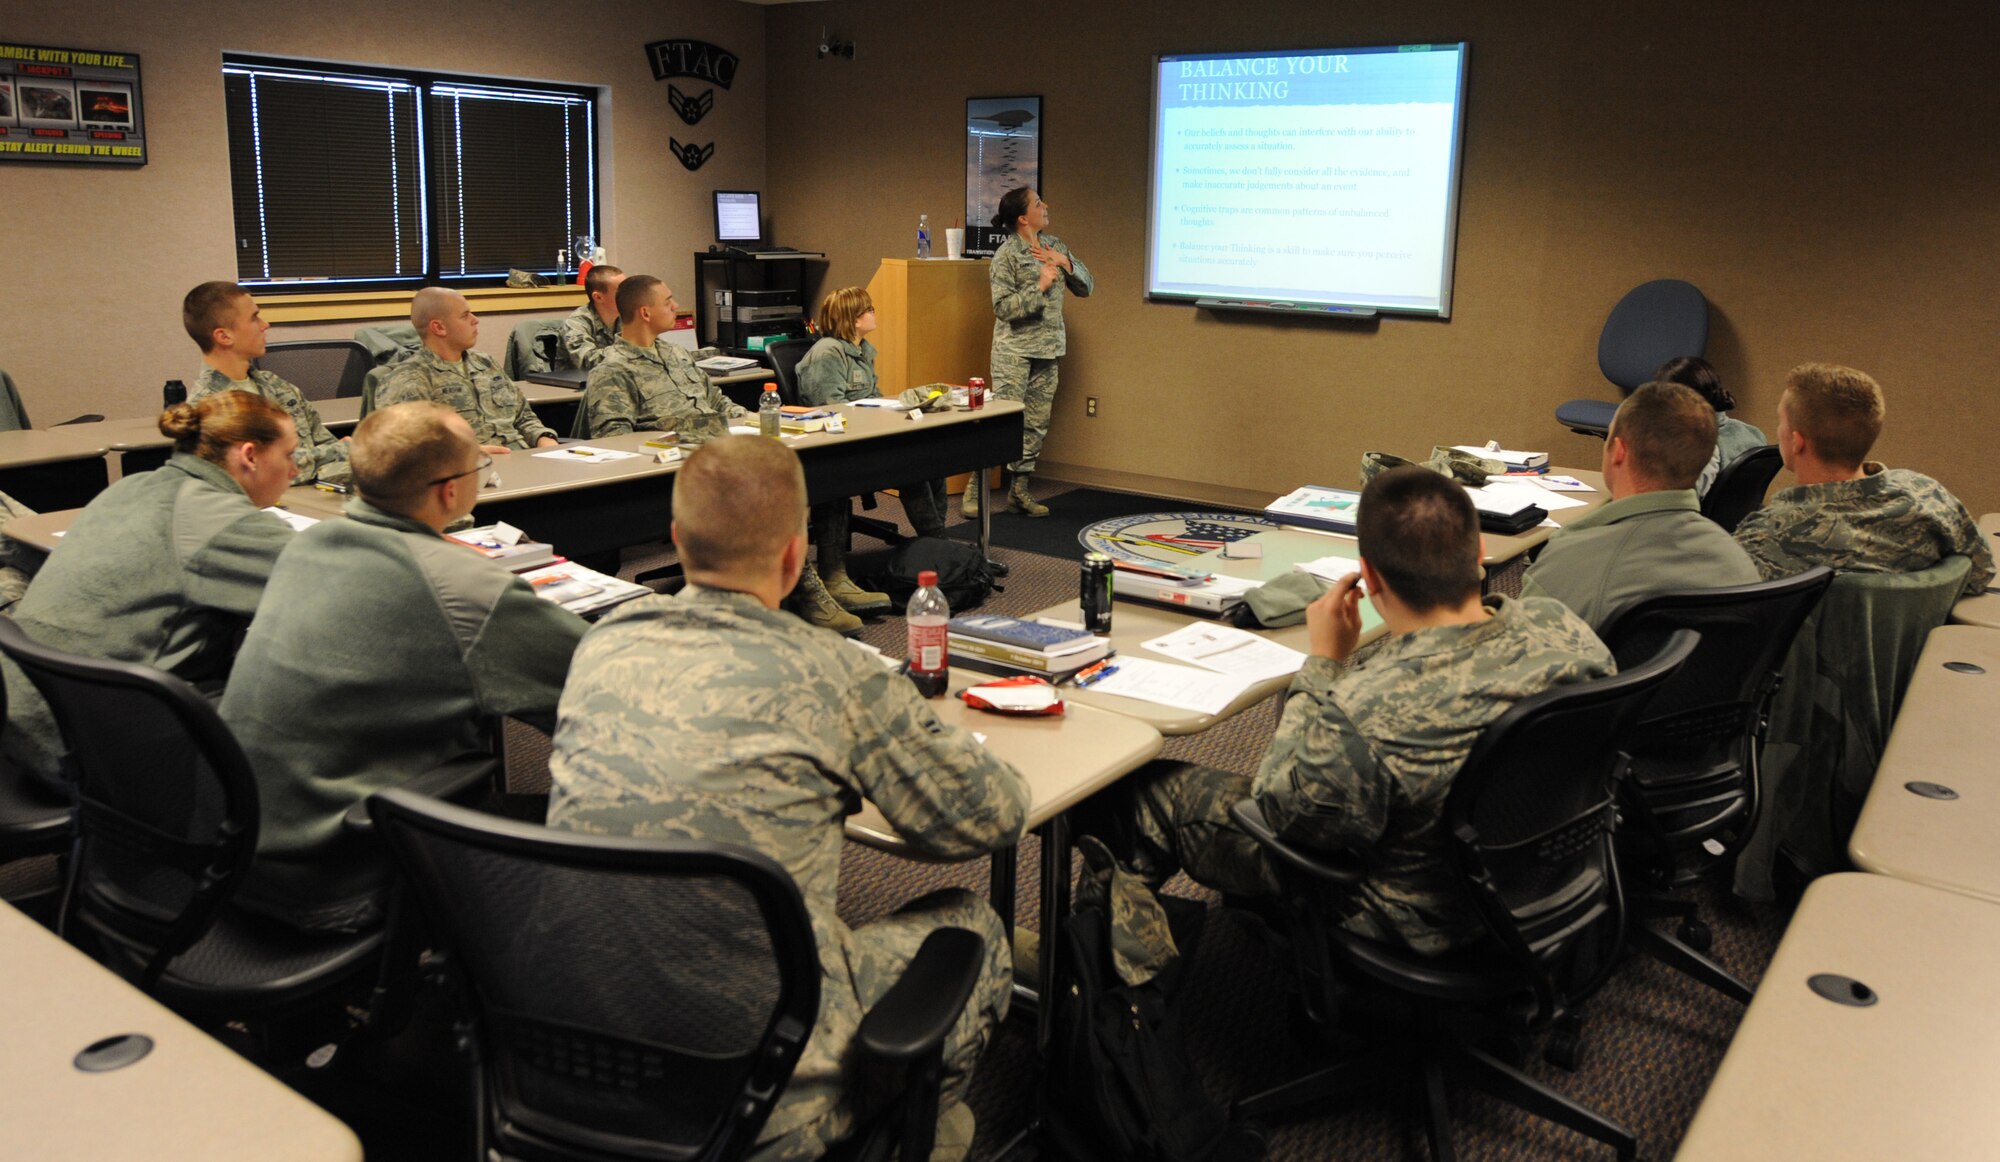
(738, 216)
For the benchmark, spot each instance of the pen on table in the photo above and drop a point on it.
(582, 451)
(1089, 671)
(329, 486)
(1096, 676)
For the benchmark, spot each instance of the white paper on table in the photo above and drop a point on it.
(299, 521)
(883, 402)
(1228, 650)
(1563, 484)
(1511, 498)
(507, 534)
(1165, 684)
(1330, 569)
(583, 454)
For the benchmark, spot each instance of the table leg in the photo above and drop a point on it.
(985, 513)
(1000, 893)
(1055, 909)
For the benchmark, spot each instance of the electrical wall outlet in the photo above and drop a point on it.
(1090, 405)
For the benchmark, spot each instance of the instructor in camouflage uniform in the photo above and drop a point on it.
(588, 332)
(1364, 757)
(450, 372)
(645, 385)
(225, 322)
(1848, 512)
(1030, 272)
(714, 715)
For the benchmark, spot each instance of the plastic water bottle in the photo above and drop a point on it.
(923, 235)
(174, 392)
(769, 418)
(930, 652)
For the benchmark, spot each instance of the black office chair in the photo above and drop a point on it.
(166, 826)
(1527, 823)
(645, 999)
(14, 413)
(34, 820)
(784, 356)
(319, 368)
(1690, 796)
(1653, 323)
(1739, 488)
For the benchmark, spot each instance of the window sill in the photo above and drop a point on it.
(372, 305)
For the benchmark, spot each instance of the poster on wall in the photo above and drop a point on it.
(68, 104)
(1003, 150)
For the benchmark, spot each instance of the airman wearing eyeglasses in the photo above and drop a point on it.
(381, 650)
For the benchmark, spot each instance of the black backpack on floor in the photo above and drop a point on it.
(963, 575)
(1119, 1086)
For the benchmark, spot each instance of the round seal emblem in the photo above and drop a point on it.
(1170, 538)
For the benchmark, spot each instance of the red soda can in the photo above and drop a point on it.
(975, 393)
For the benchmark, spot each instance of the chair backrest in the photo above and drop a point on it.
(525, 351)
(13, 414)
(319, 368)
(166, 803)
(1530, 817)
(1844, 681)
(1654, 322)
(1739, 488)
(784, 356)
(389, 342)
(630, 998)
(1694, 751)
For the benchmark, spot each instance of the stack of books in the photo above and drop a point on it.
(493, 543)
(803, 419)
(1317, 507)
(1008, 645)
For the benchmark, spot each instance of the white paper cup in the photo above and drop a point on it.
(954, 242)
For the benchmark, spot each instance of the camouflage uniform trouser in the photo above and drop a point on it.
(1031, 382)
(923, 502)
(1173, 816)
(886, 948)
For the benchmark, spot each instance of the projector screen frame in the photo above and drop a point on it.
(1305, 306)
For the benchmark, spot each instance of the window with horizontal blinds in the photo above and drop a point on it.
(513, 178)
(363, 177)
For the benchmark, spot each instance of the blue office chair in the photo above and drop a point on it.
(1654, 322)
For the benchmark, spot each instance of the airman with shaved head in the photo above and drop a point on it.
(450, 372)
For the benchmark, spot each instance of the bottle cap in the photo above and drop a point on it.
(928, 578)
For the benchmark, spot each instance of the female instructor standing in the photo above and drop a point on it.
(1031, 270)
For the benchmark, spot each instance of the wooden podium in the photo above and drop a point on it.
(933, 324)
(934, 321)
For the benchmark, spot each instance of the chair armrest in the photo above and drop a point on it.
(1335, 869)
(450, 780)
(913, 1017)
(87, 418)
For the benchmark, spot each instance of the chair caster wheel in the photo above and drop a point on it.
(1564, 1048)
(1695, 934)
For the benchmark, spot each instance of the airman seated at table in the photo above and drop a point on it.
(381, 651)
(1652, 537)
(164, 567)
(1364, 756)
(450, 372)
(1733, 437)
(643, 384)
(715, 715)
(588, 332)
(226, 323)
(1848, 512)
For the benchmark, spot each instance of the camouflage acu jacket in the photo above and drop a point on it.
(1362, 760)
(490, 402)
(656, 388)
(321, 454)
(1892, 520)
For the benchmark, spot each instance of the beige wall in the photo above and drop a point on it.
(1825, 173)
(100, 258)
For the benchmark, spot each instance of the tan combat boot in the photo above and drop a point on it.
(816, 606)
(1019, 500)
(853, 598)
(968, 505)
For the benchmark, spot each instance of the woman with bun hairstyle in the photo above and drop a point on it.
(1030, 273)
(1733, 437)
(163, 568)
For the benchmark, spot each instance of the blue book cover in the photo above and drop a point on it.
(1012, 631)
